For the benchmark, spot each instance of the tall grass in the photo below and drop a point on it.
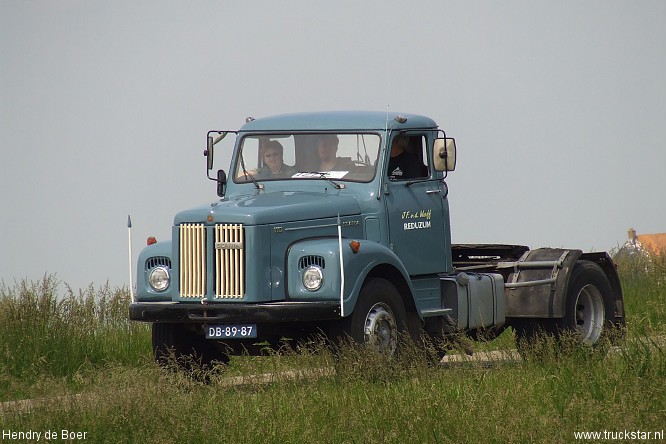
(366, 400)
(43, 333)
(83, 343)
(643, 278)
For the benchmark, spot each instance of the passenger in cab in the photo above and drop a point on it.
(327, 148)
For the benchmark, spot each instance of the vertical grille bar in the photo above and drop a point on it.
(192, 260)
(229, 261)
(218, 259)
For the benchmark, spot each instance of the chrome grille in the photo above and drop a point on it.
(192, 260)
(229, 261)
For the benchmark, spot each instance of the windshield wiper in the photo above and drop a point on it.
(322, 175)
(247, 174)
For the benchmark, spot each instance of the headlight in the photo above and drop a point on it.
(159, 278)
(313, 278)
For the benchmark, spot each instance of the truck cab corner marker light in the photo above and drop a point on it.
(354, 245)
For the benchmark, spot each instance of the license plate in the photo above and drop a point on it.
(235, 331)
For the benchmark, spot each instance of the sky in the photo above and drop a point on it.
(558, 109)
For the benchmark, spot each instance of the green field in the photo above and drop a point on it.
(89, 370)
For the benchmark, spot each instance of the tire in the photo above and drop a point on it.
(379, 318)
(176, 344)
(588, 310)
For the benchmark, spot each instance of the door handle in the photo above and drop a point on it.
(433, 191)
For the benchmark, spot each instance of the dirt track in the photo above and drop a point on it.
(483, 358)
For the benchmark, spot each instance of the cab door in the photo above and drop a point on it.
(417, 212)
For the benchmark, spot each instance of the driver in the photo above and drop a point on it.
(274, 165)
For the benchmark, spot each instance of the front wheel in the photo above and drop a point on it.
(379, 317)
(177, 345)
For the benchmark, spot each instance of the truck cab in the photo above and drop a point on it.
(337, 222)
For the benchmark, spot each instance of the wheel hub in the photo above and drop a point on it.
(381, 330)
(590, 314)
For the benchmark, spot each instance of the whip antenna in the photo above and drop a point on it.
(342, 270)
(129, 242)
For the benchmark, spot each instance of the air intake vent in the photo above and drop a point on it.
(158, 261)
(307, 261)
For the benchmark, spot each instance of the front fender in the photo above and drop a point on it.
(357, 266)
(150, 257)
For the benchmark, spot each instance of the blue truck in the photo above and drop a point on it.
(338, 223)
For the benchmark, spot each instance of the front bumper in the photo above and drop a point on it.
(186, 312)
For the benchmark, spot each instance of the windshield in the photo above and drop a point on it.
(336, 156)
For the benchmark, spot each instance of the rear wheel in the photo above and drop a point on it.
(589, 305)
(588, 310)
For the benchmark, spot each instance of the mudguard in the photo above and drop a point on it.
(608, 266)
(540, 301)
(548, 301)
(357, 267)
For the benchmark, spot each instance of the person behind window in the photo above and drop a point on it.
(402, 165)
(274, 165)
(327, 148)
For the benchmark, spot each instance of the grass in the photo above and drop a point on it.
(54, 347)
(43, 334)
(540, 401)
(643, 280)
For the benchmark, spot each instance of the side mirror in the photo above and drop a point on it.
(221, 183)
(209, 153)
(211, 142)
(444, 154)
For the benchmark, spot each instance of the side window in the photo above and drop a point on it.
(409, 157)
(421, 153)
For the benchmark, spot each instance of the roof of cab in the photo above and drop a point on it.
(339, 120)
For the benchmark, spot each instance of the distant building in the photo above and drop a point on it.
(646, 244)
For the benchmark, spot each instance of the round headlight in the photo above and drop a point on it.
(313, 278)
(159, 278)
